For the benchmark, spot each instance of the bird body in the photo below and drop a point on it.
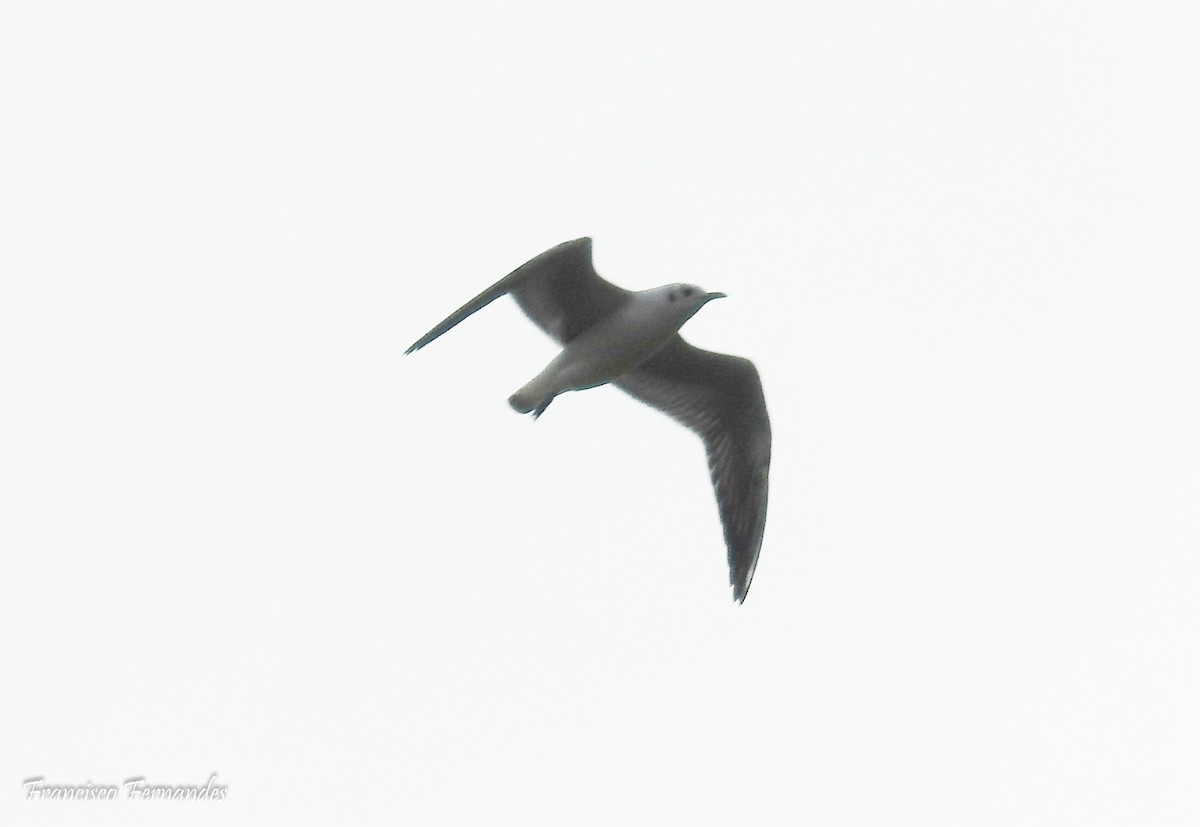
(614, 345)
(631, 339)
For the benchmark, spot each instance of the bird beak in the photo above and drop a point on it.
(712, 296)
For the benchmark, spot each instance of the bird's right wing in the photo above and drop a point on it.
(721, 398)
(559, 290)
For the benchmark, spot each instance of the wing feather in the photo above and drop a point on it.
(721, 398)
(559, 291)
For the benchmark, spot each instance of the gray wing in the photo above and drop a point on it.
(559, 290)
(721, 398)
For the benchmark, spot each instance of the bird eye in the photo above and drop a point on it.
(687, 291)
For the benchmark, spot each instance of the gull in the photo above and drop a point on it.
(631, 340)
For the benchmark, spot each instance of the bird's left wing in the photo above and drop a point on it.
(559, 290)
(721, 398)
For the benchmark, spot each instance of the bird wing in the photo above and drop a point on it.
(559, 291)
(721, 398)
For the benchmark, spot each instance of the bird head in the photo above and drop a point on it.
(685, 299)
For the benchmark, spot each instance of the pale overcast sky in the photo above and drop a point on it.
(244, 535)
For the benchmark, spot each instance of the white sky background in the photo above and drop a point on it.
(244, 534)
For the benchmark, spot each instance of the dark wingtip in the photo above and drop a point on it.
(420, 343)
(741, 587)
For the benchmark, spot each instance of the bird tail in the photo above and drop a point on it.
(522, 401)
(526, 400)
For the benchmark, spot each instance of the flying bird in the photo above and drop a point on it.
(631, 339)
